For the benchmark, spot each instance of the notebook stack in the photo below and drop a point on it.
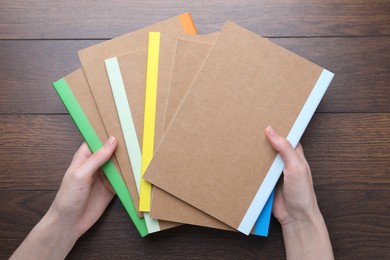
(188, 112)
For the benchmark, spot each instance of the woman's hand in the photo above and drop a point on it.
(295, 205)
(85, 192)
(295, 199)
(82, 198)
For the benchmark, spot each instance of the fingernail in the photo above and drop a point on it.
(271, 131)
(111, 141)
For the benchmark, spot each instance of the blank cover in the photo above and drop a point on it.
(92, 60)
(214, 155)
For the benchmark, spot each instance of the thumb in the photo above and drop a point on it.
(282, 146)
(99, 157)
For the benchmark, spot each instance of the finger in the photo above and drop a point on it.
(300, 152)
(81, 155)
(282, 146)
(279, 186)
(278, 199)
(99, 157)
(106, 183)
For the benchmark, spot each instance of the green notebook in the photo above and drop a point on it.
(94, 143)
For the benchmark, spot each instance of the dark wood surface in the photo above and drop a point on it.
(347, 142)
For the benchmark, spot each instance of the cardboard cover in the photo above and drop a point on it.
(190, 55)
(129, 132)
(92, 60)
(129, 100)
(215, 146)
(160, 60)
(76, 84)
(80, 88)
(188, 60)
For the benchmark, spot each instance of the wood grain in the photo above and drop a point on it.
(35, 151)
(97, 19)
(347, 143)
(361, 65)
(345, 151)
(349, 151)
(360, 228)
(28, 69)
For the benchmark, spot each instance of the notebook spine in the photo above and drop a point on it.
(188, 23)
(94, 144)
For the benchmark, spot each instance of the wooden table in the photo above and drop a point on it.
(347, 142)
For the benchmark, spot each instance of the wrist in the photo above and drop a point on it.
(57, 225)
(49, 239)
(56, 235)
(297, 223)
(307, 238)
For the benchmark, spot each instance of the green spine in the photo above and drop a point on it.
(94, 143)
